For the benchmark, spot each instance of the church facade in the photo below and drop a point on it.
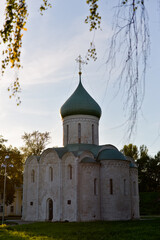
(82, 181)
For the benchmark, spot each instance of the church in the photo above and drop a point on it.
(81, 181)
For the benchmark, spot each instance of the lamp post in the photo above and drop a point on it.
(4, 189)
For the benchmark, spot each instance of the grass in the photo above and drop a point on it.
(121, 230)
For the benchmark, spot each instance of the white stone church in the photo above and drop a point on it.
(82, 181)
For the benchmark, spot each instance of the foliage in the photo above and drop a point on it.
(35, 143)
(94, 19)
(2, 141)
(130, 151)
(45, 6)
(149, 203)
(130, 38)
(11, 37)
(148, 167)
(14, 174)
(149, 173)
(122, 230)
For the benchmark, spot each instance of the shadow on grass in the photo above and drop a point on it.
(121, 230)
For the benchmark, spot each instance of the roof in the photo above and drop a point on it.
(88, 160)
(99, 153)
(80, 102)
(111, 154)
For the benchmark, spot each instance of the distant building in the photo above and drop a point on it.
(82, 181)
(15, 209)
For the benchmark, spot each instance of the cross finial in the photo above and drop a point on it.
(80, 61)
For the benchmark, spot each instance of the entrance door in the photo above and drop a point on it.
(50, 209)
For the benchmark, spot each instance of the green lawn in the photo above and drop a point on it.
(122, 230)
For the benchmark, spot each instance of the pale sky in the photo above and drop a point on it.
(50, 74)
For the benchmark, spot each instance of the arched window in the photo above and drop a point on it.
(69, 172)
(79, 133)
(95, 186)
(51, 174)
(92, 133)
(111, 186)
(67, 134)
(33, 176)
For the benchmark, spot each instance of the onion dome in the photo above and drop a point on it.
(80, 102)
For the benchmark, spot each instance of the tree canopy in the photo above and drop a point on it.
(148, 167)
(35, 143)
(14, 168)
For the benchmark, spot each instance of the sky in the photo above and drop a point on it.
(49, 76)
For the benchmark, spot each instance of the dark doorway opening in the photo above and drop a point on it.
(50, 209)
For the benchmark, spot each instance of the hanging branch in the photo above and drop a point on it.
(11, 37)
(130, 44)
(94, 19)
(129, 47)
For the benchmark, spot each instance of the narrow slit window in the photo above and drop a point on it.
(33, 176)
(51, 174)
(124, 186)
(70, 172)
(95, 186)
(92, 133)
(79, 133)
(67, 134)
(111, 186)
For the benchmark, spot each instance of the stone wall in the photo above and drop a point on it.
(30, 189)
(79, 191)
(89, 192)
(134, 193)
(115, 190)
(70, 136)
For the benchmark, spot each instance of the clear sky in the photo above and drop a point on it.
(50, 75)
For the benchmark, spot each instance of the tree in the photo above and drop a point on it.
(143, 175)
(35, 143)
(148, 167)
(130, 151)
(14, 174)
(11, 36)
(130, 38)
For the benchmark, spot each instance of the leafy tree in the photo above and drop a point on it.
(11, 35)
(149, 171)
(35, 143)
(149, 174)
(143, 175)
(148, 167)
(130, 151)
(14, 176)
(2, 141)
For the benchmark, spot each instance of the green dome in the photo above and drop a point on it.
(80, 102)
(111, 154)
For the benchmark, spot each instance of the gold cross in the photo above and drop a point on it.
(79, 59)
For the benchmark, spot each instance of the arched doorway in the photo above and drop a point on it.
(49, 209)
